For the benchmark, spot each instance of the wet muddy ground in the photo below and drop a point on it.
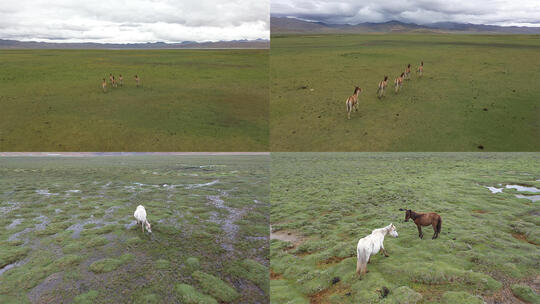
(69, 233)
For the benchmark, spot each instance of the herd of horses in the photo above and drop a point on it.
(114, 83)
(373, 243)
(352, 101)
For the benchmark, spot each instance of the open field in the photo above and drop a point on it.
(478, 93)
(68, 232)
(190, 100)
(323, 203)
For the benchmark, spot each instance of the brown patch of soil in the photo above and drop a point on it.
(332, 260)
(522, 237)
(275, 276)
(321, 296)
(505, 295)
(287, 236)
(480, 211)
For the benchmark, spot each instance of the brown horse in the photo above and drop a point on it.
(424, 219)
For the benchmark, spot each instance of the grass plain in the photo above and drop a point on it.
(478, 92)
(190, 100)
(68, 232)
(323, 203)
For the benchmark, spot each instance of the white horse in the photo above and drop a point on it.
(370, 245)
(140, 215)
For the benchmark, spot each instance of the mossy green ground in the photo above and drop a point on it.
(190, 100)
(477, 90)
(68, 232)
(328, 201)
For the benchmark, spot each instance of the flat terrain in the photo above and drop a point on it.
(190, 100)
(68, 233)
(478, 93)
(488, 249)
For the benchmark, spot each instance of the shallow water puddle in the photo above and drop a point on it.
(286, 236)
(45, 192)
(13, 265)
(227, 224)
(495, 190)
(193, 186)
(130, 224)
(532, 198)
(14, 223)
(523, 188)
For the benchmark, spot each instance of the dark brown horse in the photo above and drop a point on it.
(424, 219)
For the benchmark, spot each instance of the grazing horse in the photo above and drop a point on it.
(121, 80)
(424, 219)
(420, 70)
(352, 101)
(104, 85)
(140, 216)
(111, 78)
(382, 86)
(398, 83)
(137, 80)
(408, 72)
(370, 245)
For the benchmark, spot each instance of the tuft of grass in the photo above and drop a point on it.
(250, 270)
(11, 254)
(162, 264)
(215, 286)
(192, 264)
(86, 298)
(110, 264)
(189, 295)
(461, 297)
(525, 293)
(404, 294)
(53, 228)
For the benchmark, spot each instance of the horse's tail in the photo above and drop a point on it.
(439, 223)
(348, 103)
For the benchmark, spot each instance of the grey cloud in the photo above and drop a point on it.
(123, 21)
(496, 12)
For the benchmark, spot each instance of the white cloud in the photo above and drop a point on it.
(493, 12)
(123, 21)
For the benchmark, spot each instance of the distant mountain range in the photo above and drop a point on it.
(285, 25)
(236, 44)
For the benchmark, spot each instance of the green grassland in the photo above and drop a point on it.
(323, 203)
(477, 91)
(190, 100)
(68, 232)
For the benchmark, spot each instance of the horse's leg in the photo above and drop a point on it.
(420, 231)
(384, 251)
(434, 224)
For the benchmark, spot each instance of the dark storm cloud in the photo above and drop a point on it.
(525, 12)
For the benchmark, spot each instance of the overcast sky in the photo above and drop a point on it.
(128, 21)
(493, 12)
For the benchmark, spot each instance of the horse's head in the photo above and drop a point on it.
(392, 230)
(407, 213)
(148, 227)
